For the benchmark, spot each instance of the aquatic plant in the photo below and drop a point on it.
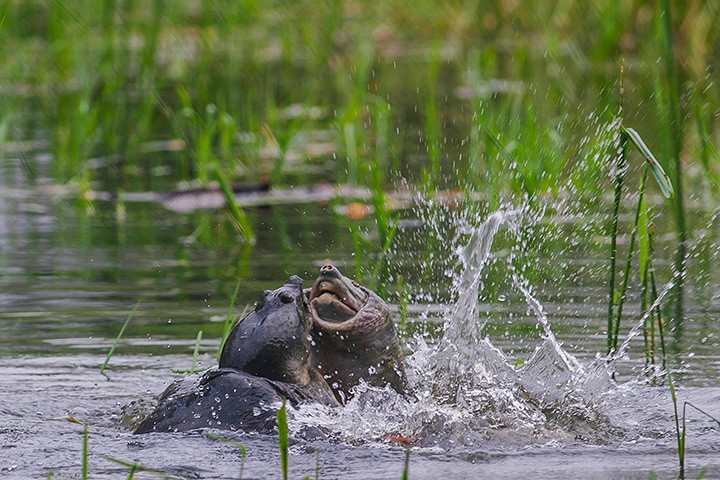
(137, 467)
(622, 135)
(680, 427)
(85, 452)
(283, 442)
(668, 102)
(406, 466)
(101, 82)
(195, 351)
(119, 335)
(235, 211)
(618, 298)
(241, 448)
(230, 319)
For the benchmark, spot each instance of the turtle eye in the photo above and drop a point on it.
(286, 297)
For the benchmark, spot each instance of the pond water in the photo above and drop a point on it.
(71, 272)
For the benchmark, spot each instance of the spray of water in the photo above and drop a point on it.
(465, 389)
(463, 365)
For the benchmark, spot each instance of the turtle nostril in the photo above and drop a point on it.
(286, 297)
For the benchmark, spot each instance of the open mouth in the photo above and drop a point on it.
(335, 298)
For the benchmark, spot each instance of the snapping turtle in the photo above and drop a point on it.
(354, 336)
(266, 358)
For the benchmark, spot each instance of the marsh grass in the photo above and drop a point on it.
(136, 467)
(283, 441)
(235, 211)
(117, 339)
(680, 427)
(241, 448)
(108, 77)
(225, 98)
(193, 366)
(669, 109)
(619, 172)
(641, 226)
(85, 452)
(230, 319)
(406, 466)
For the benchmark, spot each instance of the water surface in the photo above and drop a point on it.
(70, 276)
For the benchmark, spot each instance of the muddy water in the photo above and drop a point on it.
(70, 273)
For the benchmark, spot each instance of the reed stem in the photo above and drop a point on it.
(628, 261)
(117, 339)
(675, 143)
(195, 351)
(85, 452)
(406, 468)
(283, 441)
(612, 295)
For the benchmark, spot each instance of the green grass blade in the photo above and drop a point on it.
(688, 404)
(643, 225)
(142, 468)
(234, 443)
(85, 452)
(317, 466)
(230, 317)
(351, 151)
(707, 152)
(357, 244)
(502, 148)
(628, 263)
(240, 219)
(379, 280)
(131, 475)
(283, 438)
(195, 351)
(661, 177)
(612, 296)
(406, 469)
(117, 339)
(626, 278)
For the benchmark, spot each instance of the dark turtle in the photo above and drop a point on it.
(266, 358)
(355, 338)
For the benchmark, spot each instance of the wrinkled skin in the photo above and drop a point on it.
(355, 338)
(266, 358)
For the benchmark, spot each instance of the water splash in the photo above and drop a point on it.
(462, 321)
(636, 329)
(554, 377)
(466, 390)
(463, 364)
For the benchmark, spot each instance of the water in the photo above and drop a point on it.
(504, 387)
